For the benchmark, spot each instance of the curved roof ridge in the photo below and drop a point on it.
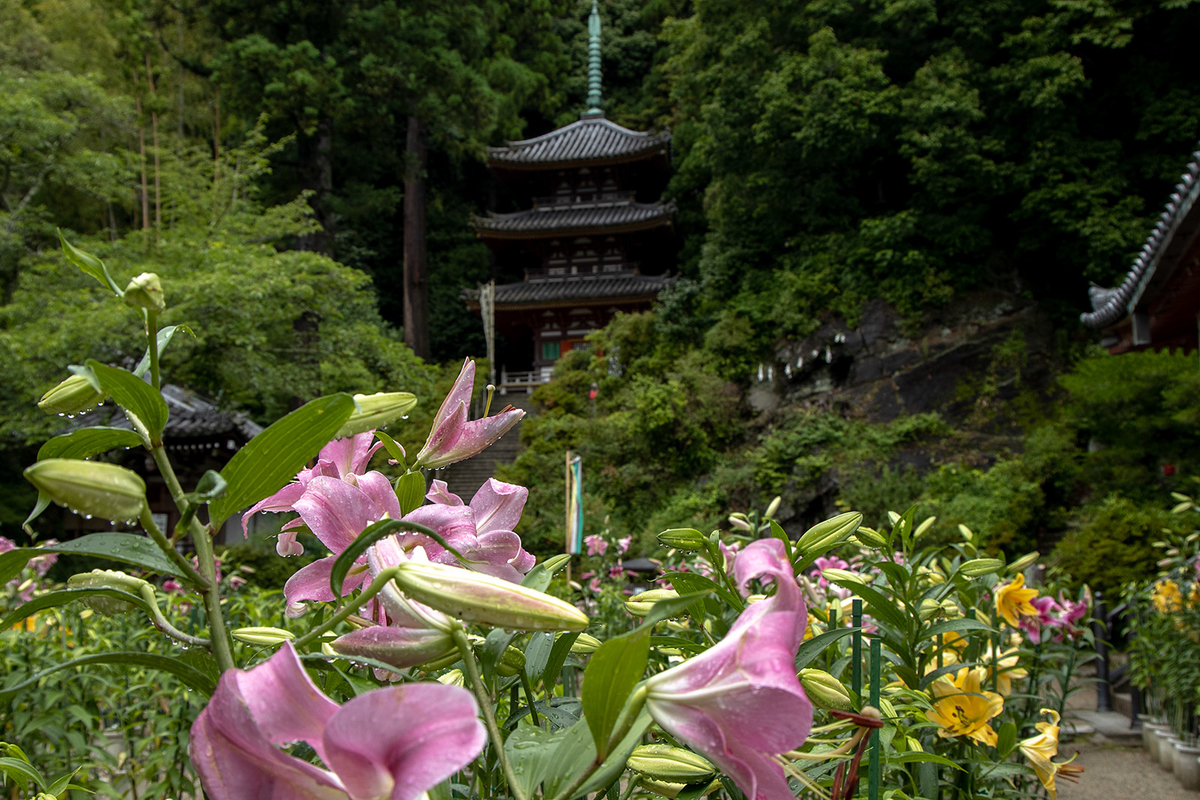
(1119, 301)
(594, 138)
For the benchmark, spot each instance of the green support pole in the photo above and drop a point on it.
(856, 651)
(876, 679)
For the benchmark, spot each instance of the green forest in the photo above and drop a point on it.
(830, 158)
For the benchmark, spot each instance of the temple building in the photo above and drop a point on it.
(1157, 306)
(592, 236)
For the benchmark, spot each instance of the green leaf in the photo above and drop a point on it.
(1006, 739)
(537, 654)
(614, 765)
(880, 605)
(963, 624)
(671, 607)
(192, 678)
(87, 442)
(64, 596)
(690, 582)
(22, 773)
(410, 491)
(128, 548)
(43, 502)
(273, 458)
(144, 406)
(392, 446)
(922, 758)
(164, 338)
(612, 673)
(210, 486)
(933, 675)
(558, 657)
(574, 754)
(809, 650)
(90, 264)
(530, 750)
(539, 577)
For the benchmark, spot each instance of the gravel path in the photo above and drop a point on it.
(1119, 773)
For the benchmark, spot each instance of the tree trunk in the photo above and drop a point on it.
(316, 175)
(142, 150)
(154, 129)
(416, 288)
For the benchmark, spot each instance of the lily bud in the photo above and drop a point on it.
(640, 604)
(91, 488)
(978, 567)
(397, 647)
(739, 521)
(683, 539)
(268, 637)
(929, 609)
(773, 507)
(475, 597)
(870, 537)
(951, 610)
(824, 690)
(672, 789)
(1023, 563)
(511, 662)
(555, 563)
(835, 574)
(924, 527)
(585, 644)
(825, 534)
(145, 291)
(669, 764)
(373, 411)
(73, 396)
(107, 579)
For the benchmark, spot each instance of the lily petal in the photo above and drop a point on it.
(498, 506)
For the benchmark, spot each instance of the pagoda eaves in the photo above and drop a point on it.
(591, 141)
(575, 219)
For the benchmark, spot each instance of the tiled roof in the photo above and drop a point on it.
(1111, 305)
(613, 217)
(191, 417)
(550, 291)
(592, 139)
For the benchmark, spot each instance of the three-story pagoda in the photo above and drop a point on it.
(593, 237)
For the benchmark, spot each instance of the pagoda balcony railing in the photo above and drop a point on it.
(576, 270)
(523, 381)
(583, 197)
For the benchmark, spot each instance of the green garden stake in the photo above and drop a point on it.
(856, 650)
(876, 679)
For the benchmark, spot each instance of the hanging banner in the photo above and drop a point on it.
(574, 498)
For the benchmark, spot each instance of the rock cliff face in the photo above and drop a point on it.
(963, 365)
(880, 369)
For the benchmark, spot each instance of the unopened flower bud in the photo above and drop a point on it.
(267, 637)
(682, 539)
(825, 534)
(672, 790)
(929, 609)
(107, 579)
(951, 610)
(145, 291)
(511, 662)
(978, 567)
(924, 527)
(669, 764)
(640, 604)
(396, 647)
(555, 563)
(739, 521)
(824, 690)
(773, 507)
(835, 574)
(475, 597)
(73, 396)
(376, 411)
(452, 678)
(870, 537)
(1023, 563)
(91, 488)
(585, 644)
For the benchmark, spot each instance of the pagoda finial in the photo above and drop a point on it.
(593, 99)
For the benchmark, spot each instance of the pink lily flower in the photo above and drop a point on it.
(481, 531)
(341, 458)
(596, 545)
(740, 701)
(454, 436)
(395, 743)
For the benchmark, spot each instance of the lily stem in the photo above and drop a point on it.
(186, 570)
(161, 623)
(221, 649)
(347, 610)
(485, 705)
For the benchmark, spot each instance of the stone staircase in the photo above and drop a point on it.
(465, 477)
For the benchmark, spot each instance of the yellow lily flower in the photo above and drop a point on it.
(1167, 597)
(1005, 668)
(962, 708)
(1043, 747)
(1012, 601)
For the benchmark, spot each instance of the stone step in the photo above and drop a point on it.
(1114, 727)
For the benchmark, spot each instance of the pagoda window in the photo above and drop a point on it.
(551, 351)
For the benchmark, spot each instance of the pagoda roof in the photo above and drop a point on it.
(191, 416)
(575, 290)
(576, 219)
(591, 140)
(1159, 258)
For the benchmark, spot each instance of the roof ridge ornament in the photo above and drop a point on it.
(593, 98)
